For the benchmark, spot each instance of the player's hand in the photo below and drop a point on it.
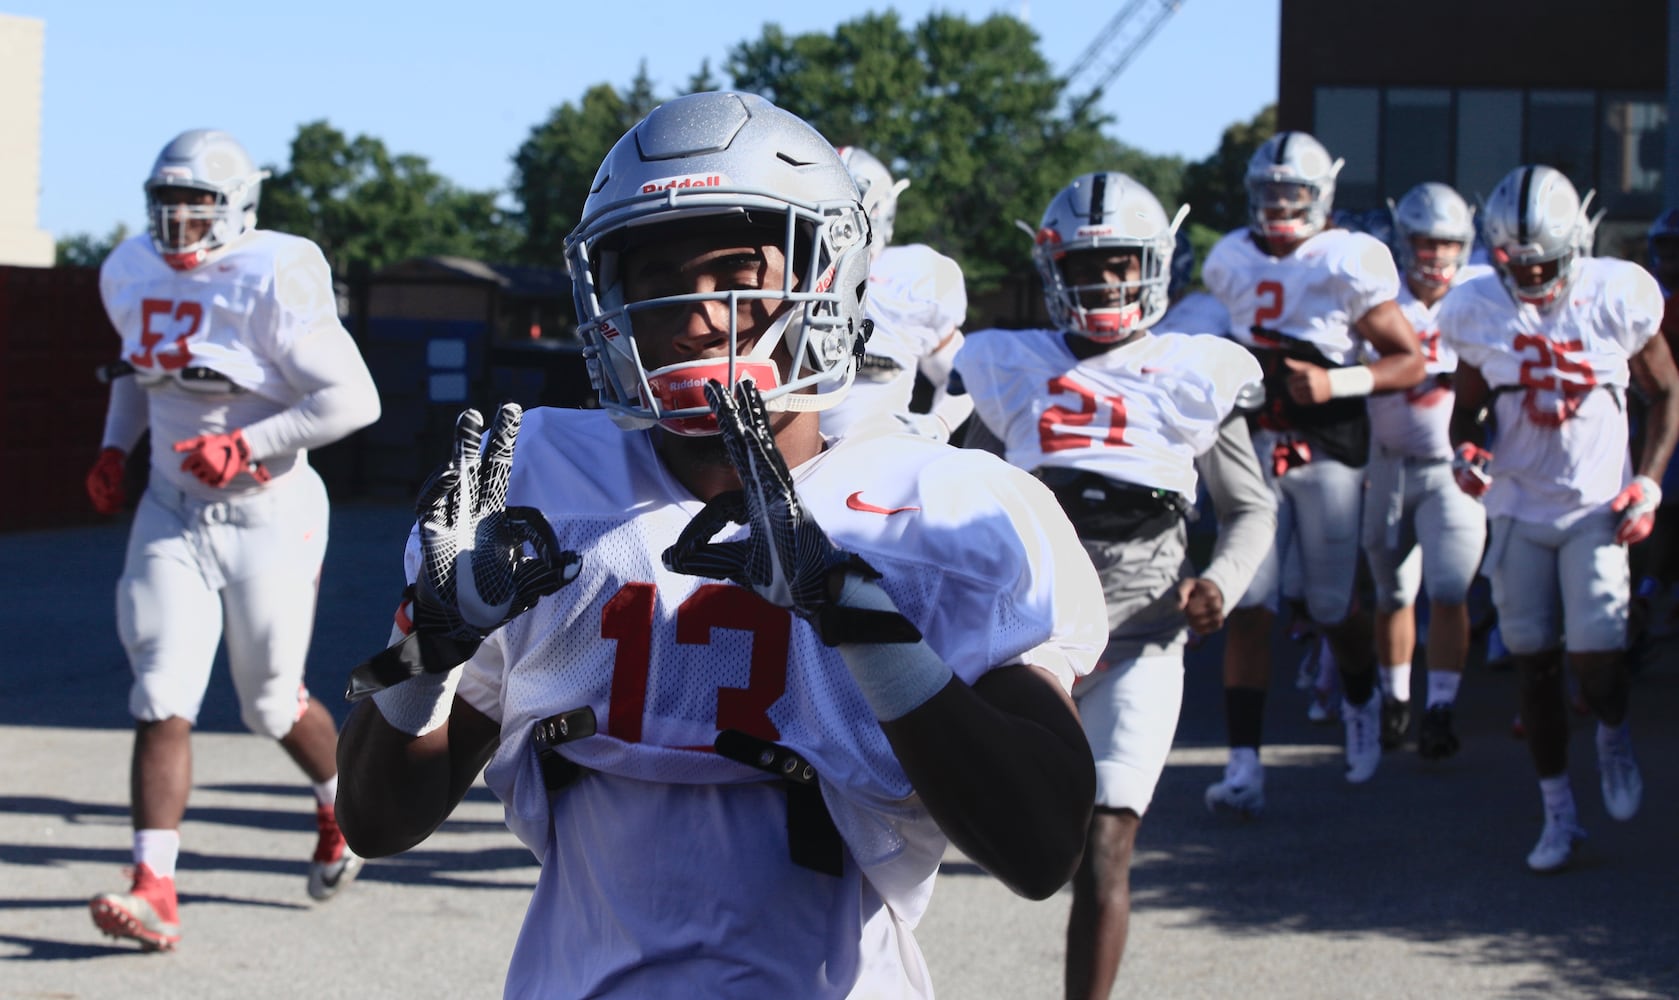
(1308, 384)
(927, 425)
(1202, 604)
(104, 481)
(482, 563)
(787, 558)
(1637, 506)
(216, 459)
(1469, 468)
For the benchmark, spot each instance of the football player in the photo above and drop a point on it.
(917, 303)
(1122, 420)
(1549, 344)
(739, 761)
(239, 366)
(1412, 508)
(1301, 297)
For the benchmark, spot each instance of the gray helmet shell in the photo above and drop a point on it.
(726, 157)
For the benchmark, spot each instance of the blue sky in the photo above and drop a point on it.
(462, 85)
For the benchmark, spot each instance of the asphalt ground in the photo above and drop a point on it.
(1410, 886)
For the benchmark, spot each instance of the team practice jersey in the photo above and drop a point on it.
(1315, 294)
(665, 866)
(1416, 422)
(916, 299)
(1558, 378)
(214, 346)
(1197, 312)
(1137, 414)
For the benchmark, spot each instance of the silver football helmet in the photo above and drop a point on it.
(880, 193)
(725, 159)
(1103, 212)
(1534, 218)
(202, 160)
(1433, 211)
(1291, 186)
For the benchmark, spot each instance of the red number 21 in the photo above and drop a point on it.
(1103, 413)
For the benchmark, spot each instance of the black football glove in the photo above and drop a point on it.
(482, 563)
(787, 558)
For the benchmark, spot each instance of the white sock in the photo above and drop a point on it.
(1613, 736)
(1248, 756)
(1558, 796)
(1442, 687)
(326, 792)
(157, 850)
(1396, 682)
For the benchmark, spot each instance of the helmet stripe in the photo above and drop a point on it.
(1521, 206)
(1282, 147)
(1098, 197)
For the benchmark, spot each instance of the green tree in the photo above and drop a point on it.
(1214, 187)
(86, 249)
(969, 112)
(554, 167)
(368, 208)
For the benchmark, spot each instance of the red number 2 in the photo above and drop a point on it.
(628, 619)
(1273, 309)
(161, 319)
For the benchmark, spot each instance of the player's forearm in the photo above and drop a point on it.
(394, 789)
(320, 418)
(1247, 510)
(125, 416)
(1393, 372)
(1005, 770)
(1661, 433)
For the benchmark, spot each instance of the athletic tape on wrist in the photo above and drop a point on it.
(894, 677)
(420, 704)
(1358, 380)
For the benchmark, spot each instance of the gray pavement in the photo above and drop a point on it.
(1410, 886)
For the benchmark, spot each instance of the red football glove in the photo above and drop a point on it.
(104, 481)
(217, 458)
(1469, 468)
(1637, 506)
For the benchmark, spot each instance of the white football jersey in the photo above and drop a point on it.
(916, 299)
(1197, 312)
(1416, 422)
(1316, 294)
(664, 849)
(1559, 378)
(210, 345)
(1138, 414)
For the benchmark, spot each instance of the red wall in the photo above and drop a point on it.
(53, 334)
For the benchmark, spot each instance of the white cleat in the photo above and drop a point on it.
(1556, 844)
(1623, 786)
(1364, 738)
(1242, 792)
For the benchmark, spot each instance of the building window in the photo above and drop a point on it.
(1630, 158)
(1562, 132)
(1416, 130)
(1346, 122)
(1489, 139)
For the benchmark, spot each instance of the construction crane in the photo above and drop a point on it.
(1114, 46)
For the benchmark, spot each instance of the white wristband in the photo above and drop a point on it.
(894, 677)
(420, 704)
(1357, 380)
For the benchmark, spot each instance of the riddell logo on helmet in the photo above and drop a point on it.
(684, 181)
(1088, 231)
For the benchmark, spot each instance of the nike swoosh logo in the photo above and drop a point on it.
(856, 502)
